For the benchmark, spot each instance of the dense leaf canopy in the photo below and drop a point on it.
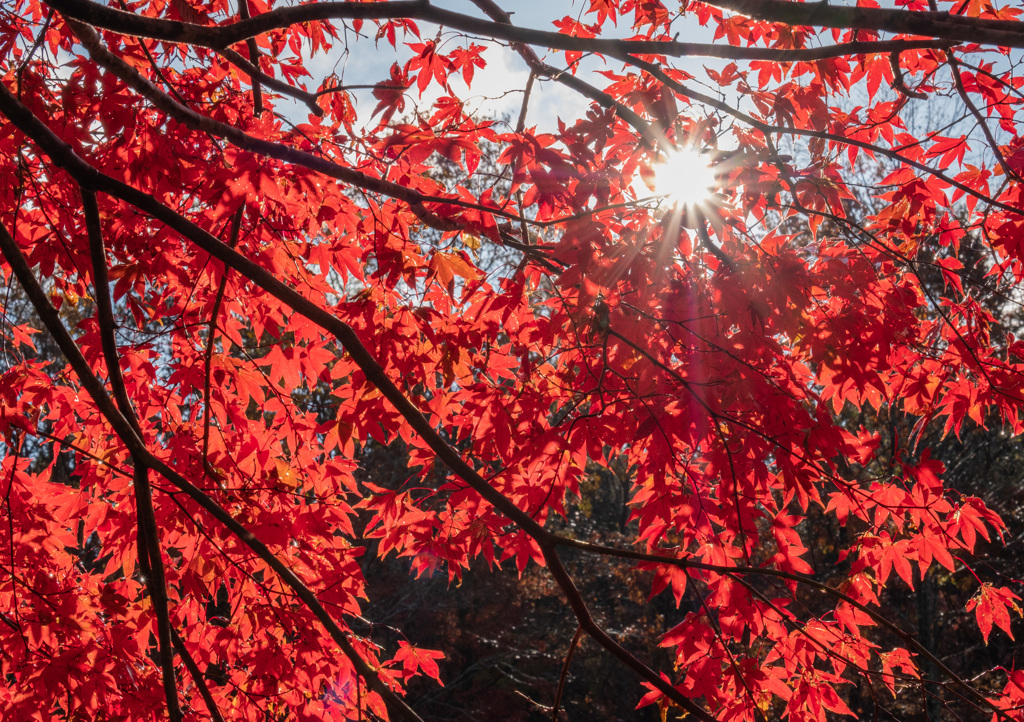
(759, 277)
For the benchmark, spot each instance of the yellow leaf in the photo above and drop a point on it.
(285, 476)
(448, 265)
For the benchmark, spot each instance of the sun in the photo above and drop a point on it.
(684, 177)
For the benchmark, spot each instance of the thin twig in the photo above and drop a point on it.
(374, 372)
(954, 66)
(650, 135)
(254, 59)
(565, 673)
(767, 129)
(137, 447)
(211, 334)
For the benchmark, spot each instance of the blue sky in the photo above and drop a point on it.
(496, 89)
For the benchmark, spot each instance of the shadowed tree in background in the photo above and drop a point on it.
(671, 364)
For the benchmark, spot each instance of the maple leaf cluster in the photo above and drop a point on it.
(227, 279)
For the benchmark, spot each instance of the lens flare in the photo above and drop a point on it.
(684, 177)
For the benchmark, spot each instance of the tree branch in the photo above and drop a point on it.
(375, 374)
(954, 67)
(804, 579)
(123, 428)
(254, 60)
(236, 224)
(257, 76)
(149, 550)
(191, 119)
(538, 67)
(769, 129)
(197, 676)
(1004, 33)
(962, 29)
(563, 677)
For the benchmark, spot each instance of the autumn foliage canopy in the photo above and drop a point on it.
(229, 271)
